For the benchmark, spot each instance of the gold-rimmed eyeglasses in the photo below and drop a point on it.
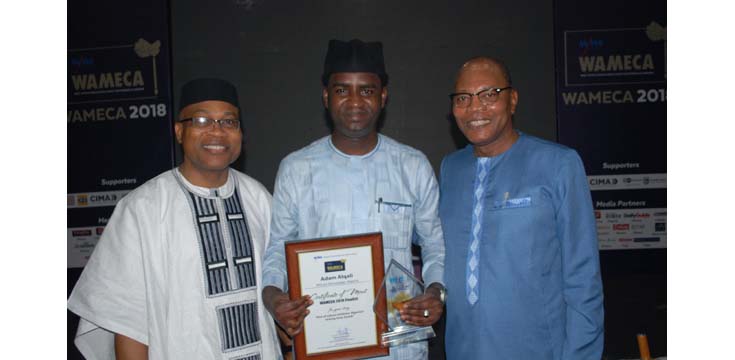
(202, 122)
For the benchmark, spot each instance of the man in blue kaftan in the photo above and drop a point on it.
(522, 266)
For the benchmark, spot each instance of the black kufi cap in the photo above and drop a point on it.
(205, 89)
(354, 56)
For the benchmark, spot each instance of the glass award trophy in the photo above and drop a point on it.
(399, 285)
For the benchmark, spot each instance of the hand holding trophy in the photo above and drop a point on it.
(398, 288)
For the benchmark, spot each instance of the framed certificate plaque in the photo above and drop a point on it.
(342, 275)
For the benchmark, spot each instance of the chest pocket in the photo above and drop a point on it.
(512, 216)
(396, 223)
(522, 227)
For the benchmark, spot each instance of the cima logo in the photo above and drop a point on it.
(603, 181)
(82, 199)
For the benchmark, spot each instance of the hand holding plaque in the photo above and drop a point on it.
(398, 287)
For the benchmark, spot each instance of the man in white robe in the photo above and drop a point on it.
(177, 272)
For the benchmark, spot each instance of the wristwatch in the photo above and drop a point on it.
(442, 292)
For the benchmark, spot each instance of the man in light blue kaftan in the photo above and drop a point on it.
(356, 181)
(522, 257)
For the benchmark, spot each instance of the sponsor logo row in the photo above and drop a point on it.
(611, 214)
(94, 199)
(659, 227)
(627, 182)
(632, 243)
(631, 228)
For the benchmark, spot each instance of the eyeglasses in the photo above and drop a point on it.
(201, 122)
(487, 97)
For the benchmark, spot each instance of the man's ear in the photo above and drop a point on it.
(513, 100)
(325, 98)
(179, 131)
(383, 96)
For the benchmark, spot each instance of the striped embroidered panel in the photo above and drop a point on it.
(211, 224)
(241, 244)
(212, 247)
(238, 325)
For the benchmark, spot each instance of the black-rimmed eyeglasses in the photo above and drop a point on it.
(486, 96)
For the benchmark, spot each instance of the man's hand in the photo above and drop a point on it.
(288, 314)
(413, 312)
(129, 349)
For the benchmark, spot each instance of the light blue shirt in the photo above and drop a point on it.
(540, 291)
(322, 192)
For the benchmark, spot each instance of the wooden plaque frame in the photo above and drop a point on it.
(375, 242)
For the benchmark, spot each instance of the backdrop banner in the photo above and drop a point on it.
(119, 131)
(611, 108)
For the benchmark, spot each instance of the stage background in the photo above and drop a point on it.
(611, 107)
(119, 132)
